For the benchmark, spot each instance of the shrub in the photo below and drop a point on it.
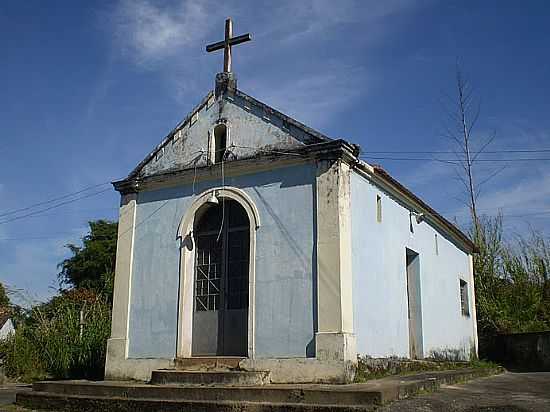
(20, 357)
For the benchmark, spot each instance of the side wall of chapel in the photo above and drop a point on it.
(380, 279)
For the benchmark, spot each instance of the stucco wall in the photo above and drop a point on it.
(250, 130)
(379, 279)
(284, 268)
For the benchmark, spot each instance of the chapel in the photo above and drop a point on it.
(250, 241)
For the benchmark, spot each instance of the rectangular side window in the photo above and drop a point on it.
(436, 245)
(464, 302)
(378, 208)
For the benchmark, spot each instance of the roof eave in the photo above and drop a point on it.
(378, 173)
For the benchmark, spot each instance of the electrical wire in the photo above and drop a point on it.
(269, 151)
(53, 207)
(23, 209)
(223, 199)
(455, 161)
(451, 152)
(72, 195)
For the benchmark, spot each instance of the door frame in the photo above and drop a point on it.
(187, 266)
(413, 276)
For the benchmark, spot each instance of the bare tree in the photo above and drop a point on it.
(463, 112)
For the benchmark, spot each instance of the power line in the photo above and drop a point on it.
(53, 207)
(529, 214)
(451, 152)
(52, 236)
(106, 210)
(464, 216)
(45, 202)
(452, 161)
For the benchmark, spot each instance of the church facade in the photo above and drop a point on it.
(247, 235)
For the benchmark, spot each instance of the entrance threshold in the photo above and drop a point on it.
(209, 363)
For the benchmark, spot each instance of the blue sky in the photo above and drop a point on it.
(87, 89)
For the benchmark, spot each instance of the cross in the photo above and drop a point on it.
(227, 43)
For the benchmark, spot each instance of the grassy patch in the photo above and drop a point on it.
(369, 368)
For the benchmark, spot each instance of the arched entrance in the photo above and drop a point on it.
(191, 221)
(220, 301)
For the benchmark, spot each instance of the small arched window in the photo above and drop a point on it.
(220, 142)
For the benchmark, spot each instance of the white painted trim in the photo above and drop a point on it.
(473, 312)
(187, 267)
(130, 272)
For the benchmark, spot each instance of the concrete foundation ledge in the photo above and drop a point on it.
(136, 397)
(302, 370)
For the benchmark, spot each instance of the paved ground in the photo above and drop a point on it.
(508, 392)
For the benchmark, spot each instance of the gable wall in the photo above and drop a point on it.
(284, 267)
(379, 279)
(251, 128)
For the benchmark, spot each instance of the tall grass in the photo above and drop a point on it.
(49, 343)
(512, 282)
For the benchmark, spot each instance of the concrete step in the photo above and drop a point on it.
(209, 363)
(78, 403)
(353, 395)
(228, 377)
(136, 397)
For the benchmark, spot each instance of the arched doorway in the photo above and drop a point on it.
(221, 235)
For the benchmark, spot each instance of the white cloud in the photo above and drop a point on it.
(169, 37)
(526, 195)
(314, 98)
(32, 268)
(149, 32)
(313, 17)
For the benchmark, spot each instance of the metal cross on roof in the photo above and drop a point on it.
(227, 43)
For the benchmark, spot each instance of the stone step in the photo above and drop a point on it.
(310, 394)
(141, 397)
(209, 362)
(229, 377)
(78, 403)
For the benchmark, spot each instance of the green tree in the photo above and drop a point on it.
(92, 265)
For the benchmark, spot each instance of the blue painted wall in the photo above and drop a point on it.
(284, 264)
(379, 279)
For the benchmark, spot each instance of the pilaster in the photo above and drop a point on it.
(118, 343)
(334, 339)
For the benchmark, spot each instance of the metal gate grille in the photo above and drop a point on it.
(209, 273)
